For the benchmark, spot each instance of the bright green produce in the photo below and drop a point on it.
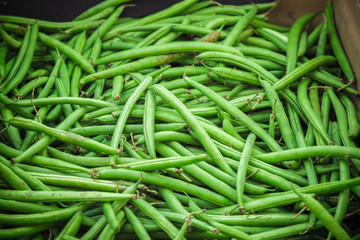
(200, 121)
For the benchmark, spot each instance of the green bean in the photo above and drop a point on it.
(163, 222)
(322, 41)
(126, 111)
(171, 11)
(3, 52)
(172, 201)
(230, 129)
(98, 8)
(62, 135)
(227, 230)
(51, 80)
(302, 44)
(336, 45)
(344, 171)
(117, 205)
(31, 181)
(143, 63)
(103, 28)
(286, 232)
(293, 40)
(195, 125)
(61, 100)
(28, 87)
(149, 122)
(197, 172)
(136, 224)
(241, 173)
(325, 217)
(182, 230)
(237, 75)
(110, 216)
(62, 93)
(41, 144)
(134, 128)
(12, 133)
(255, 68)
(24, 207)
(180, 46)
(12, 178)
(172, 35)
(314, 151)
(16, 233)
(117, 44)
(118, 83)
(309, 112)
(158, 164)
(12, 42)
(108, 233)
(239, 27)
(278, 42)
(313, 36)
(165, 182)
(38, 218)
(237, 114)
(68, 51)
(53, 196)
(280, 115)
(25, 64)
(171, 135)
(79, 182)
(71, 227)
(19, 58)
(54, 25)
(260, 42)
(302, 70)
(264, 219)
(267, 64)
(351, 116)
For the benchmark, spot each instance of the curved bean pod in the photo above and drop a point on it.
(62, 135)
(174, 47)
(38, 218)
(313, 151)
(195, 125)
(237, 114)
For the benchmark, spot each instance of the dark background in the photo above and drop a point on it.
(66, 10)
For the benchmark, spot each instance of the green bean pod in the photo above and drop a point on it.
(325, 217)
(336, 45)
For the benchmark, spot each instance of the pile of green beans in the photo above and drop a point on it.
(200, 121)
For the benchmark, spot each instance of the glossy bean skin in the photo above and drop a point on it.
(309, 112)
(71, 53)
(42, 143)
(38, 218)
(325, 217)
(20, 74)
(62, 135)
(136, 224)
(237, 114)
(335, 43)
(241, 173)
(117, 205)
(294, 36)
(153, 213)
(149, 123)
(191, 120)
(115, 141)
(166, 48)
(176, 8)
(18, 232)
(164, 181)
